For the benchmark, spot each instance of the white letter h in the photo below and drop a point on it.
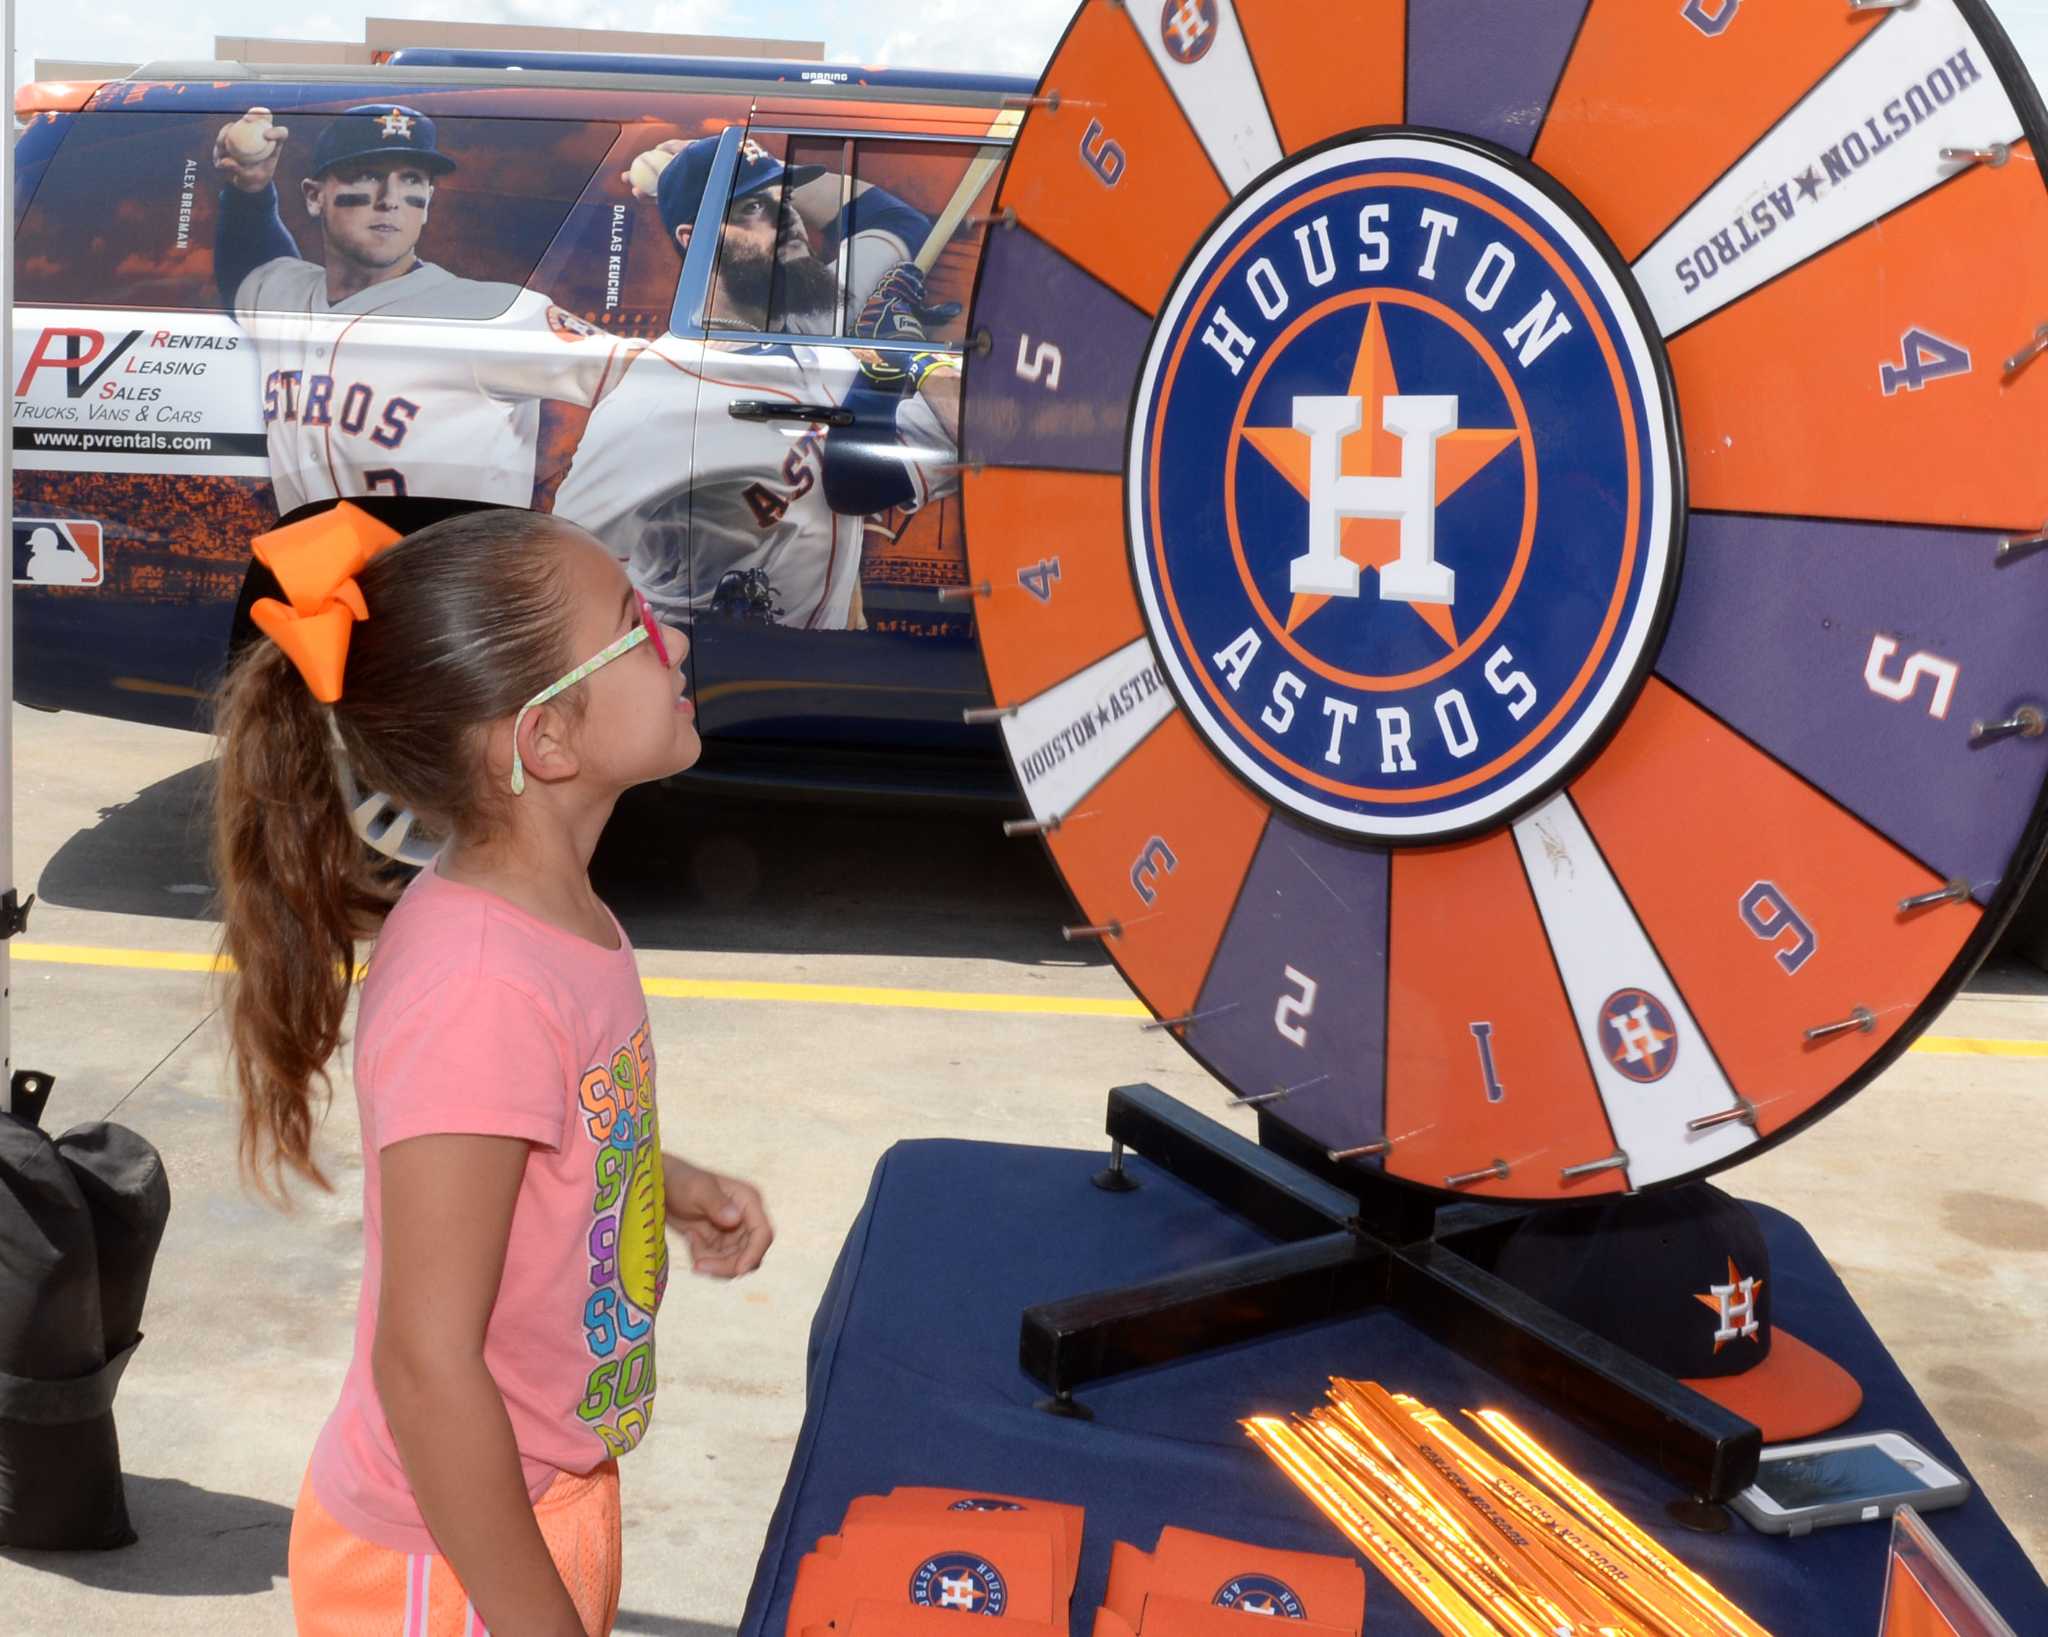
(1418, 421)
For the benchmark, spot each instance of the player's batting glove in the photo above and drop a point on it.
(901, 372)
(898, 310)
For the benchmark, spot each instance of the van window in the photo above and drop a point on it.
(804, 247)
(926, 176)
(129, 212)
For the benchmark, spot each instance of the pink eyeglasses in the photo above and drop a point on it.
(648, 631)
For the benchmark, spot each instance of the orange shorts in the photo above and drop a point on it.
(343, 1586)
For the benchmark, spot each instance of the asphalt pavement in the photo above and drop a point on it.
(780, 940)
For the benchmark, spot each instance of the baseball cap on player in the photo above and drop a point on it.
(681, 189)
(1682, 1279)
(380, 130)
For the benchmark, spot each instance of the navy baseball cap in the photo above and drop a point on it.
(681, 188)
(1682, 1279)
(380, 130)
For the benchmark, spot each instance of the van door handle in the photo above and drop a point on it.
(764, 409)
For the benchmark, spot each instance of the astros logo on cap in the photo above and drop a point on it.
(1735, 1305)
(1401, 485)
(1260, 1594)
(395, 123)
(1638, 1035)
(959, 1580)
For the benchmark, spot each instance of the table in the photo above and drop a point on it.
(913, 1379)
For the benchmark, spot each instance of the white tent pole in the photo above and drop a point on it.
(7, 580)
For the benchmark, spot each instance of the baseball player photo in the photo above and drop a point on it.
(441, 393)
(730, 516)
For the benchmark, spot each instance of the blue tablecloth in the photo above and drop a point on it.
(914, 1380)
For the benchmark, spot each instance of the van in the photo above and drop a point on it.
(712, 310)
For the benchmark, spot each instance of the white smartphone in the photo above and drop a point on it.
(1807, 1486)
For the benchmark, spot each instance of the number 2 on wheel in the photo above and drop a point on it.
(1295, 1006)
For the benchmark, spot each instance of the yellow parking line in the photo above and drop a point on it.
(140, 960)
(1946, 1045)
(928, 1000)
(807, 994)
(847, 994)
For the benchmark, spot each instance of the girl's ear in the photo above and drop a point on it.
(546, 750)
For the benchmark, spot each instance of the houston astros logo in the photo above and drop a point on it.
(1260, 1594)
(1189, 28)
(959, 1580)
(1735, 1305)
(396, 124)
(1401, 490)
(1638, 1036)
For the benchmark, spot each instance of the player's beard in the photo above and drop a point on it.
(799, 286)
(805, 285)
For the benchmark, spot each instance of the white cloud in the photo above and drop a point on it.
(60, 28)
(1009, 37)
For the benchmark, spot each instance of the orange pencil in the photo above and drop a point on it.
(1525, 1564)
(1571, 1489)
(1643, 1594)
(1443, 1541)
(1368, 1529)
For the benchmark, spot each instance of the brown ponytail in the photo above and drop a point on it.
(467, 621)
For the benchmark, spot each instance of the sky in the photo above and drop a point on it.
(912, 33)
(1011, 36)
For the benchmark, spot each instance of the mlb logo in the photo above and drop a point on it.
(48, 551)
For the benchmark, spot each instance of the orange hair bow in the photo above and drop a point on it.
(316, 561)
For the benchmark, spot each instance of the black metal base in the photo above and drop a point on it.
(1113, 1178)
(1352, 1239)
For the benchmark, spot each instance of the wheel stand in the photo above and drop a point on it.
(1349, 1241)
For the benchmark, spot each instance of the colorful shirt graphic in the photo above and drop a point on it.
(479, 1019)
(628, 1249)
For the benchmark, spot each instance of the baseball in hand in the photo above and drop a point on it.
(245, 139)
(645, 175)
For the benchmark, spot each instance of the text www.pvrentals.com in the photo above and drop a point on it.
(129, 442)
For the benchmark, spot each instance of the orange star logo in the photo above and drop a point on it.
(1372, 451)
(1738, 1317)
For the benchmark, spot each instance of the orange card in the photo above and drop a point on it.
(950, 1561)
(818, 1598)
(872, 1617)
(1130, 1582)
(1167, 1616)
(1061, 1521)
(1326, 1591)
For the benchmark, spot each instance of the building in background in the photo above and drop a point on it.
(384, 35)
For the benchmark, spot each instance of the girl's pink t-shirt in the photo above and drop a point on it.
(477, 1017)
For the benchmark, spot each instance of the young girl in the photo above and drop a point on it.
(496, 672)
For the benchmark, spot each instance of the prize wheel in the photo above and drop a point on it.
(1503, 540)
